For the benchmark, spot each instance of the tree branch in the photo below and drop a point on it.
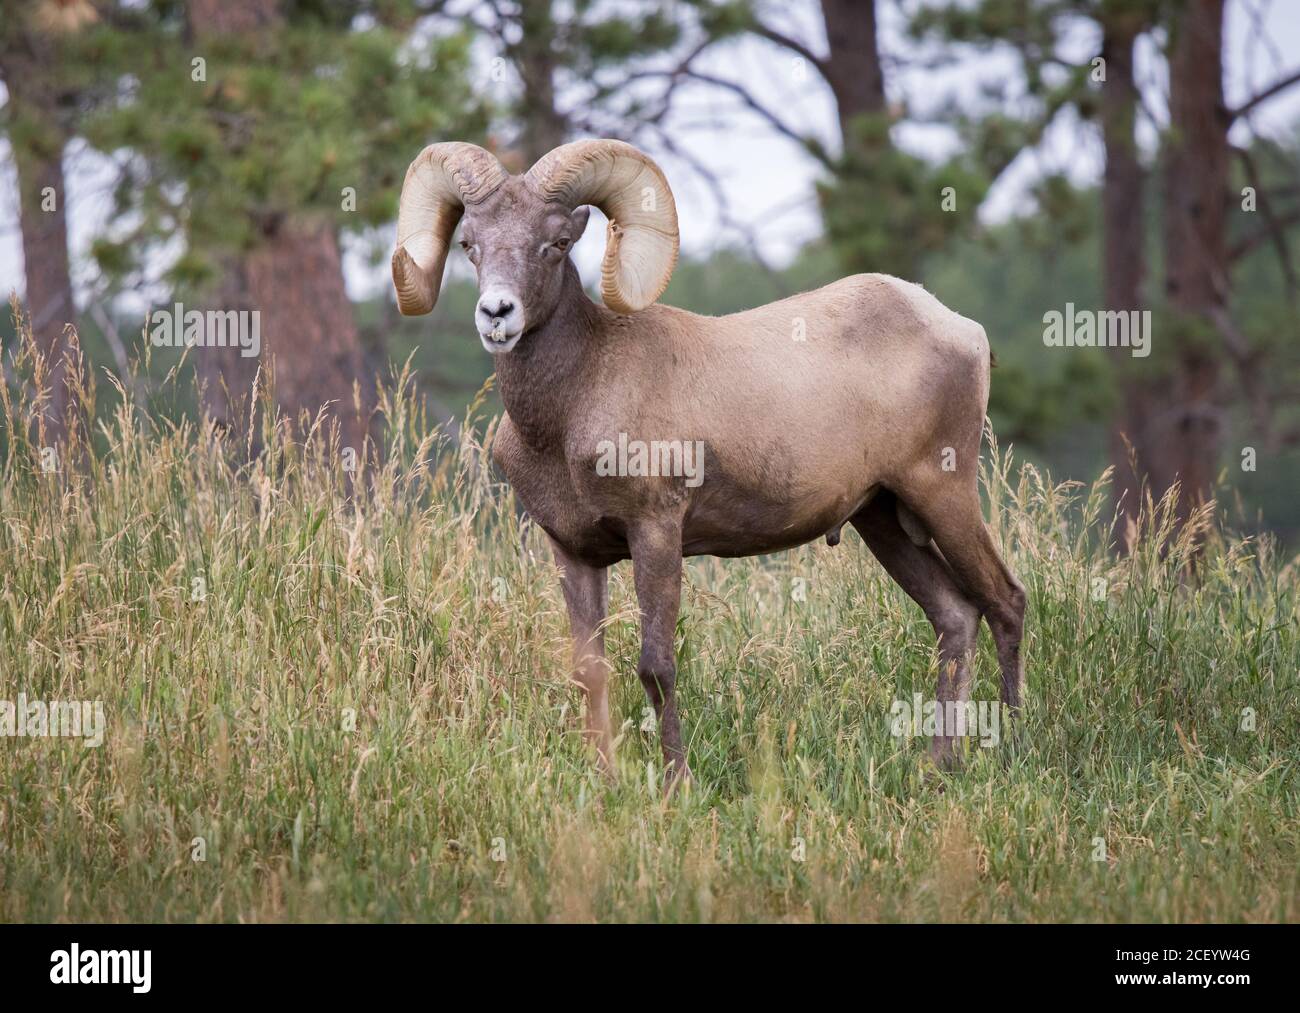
(1264, 96)
(792, 44)
(1275, 228)
(809, 144)
(1255, 239)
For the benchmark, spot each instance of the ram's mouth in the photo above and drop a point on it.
(499, 340)
(500, 336)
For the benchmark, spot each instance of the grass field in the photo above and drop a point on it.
(359, 711)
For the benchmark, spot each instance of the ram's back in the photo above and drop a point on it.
(869, 345)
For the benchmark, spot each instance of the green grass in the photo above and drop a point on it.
(462, 790)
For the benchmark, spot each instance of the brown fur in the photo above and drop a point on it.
(835, 406)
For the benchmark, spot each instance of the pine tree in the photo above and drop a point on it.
(259, 130)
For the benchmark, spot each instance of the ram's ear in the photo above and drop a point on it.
(578, 222)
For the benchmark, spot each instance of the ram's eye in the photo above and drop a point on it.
(562, 243)
(465, 244)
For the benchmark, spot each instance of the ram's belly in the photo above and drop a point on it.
(773, 530)
(782, 503)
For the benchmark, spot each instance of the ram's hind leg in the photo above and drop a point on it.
(956, 523)
(927, 579)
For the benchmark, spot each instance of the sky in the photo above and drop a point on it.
(768, 179)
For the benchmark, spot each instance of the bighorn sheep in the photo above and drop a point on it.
(861, 402)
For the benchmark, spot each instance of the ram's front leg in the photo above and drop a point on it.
(586, 596)
(656, 548)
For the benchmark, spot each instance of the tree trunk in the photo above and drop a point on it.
(868, 209)
(1186, 436)
(852, 66)
(38, 138)
(1123, 253)
(309, 336)
(294, 280)
(543, 125)
(232, 17)
(225, 376)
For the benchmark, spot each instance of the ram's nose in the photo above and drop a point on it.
(502, 309)
(499, 318)
(498, 310)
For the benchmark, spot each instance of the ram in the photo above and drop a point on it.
(861, 403)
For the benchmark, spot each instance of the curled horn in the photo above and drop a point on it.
(641, 240)
(439, 183)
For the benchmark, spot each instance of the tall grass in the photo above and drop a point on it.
(357, 707)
